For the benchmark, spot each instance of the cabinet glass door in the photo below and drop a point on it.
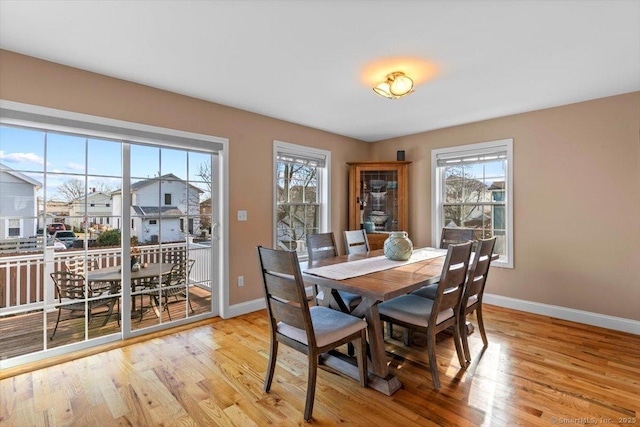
(379, 200)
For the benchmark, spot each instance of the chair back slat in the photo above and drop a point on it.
(321, 246)
(454, 274)
(355, 242)
(284, 289)
(479, 269)
(69, 285)
(453, 236)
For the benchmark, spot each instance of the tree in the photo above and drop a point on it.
(463, 196)
(73, 189)
(297, 202)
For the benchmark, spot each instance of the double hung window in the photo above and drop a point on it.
(472, 188)
(301, 195)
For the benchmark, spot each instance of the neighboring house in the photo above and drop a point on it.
(169, 219)
(18, 204)
(98, 210)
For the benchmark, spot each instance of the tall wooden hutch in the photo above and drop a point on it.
(378, 199)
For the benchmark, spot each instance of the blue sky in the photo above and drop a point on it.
(71, 157)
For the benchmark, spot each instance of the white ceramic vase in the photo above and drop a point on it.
(398, 246)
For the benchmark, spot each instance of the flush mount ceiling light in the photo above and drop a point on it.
(395, 86)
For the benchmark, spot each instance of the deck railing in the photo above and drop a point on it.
(25, 282)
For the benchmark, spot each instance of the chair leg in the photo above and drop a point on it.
(433, 365)
(481, 325)
(57, 321)
(311, 386)
(457, 329)
(273, 354)
(464, 337)
(108, 315)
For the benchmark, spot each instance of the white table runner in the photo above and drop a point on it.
(347, 270)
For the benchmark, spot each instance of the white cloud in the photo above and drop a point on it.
(21, 158)
(75, 166)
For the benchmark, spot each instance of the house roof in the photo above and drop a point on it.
(20, 175)
(146, 182)
(155, 211)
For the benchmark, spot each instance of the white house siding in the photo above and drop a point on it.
(99, 213)
(17, 200)
(150, 194)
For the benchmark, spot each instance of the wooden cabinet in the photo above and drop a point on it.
(378, 199)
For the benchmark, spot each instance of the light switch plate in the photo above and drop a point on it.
(242, 215)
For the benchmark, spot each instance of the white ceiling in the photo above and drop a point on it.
(314, 62)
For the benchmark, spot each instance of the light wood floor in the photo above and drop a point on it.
(536, 371)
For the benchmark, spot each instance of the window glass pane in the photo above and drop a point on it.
(174, 162)
(145, 161)
(104, 158)
(22, 149)
(66, 153)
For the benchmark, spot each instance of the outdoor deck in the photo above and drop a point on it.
(23, 334)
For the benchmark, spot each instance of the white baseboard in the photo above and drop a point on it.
(580, 316)
(586, 317)
(244, 308)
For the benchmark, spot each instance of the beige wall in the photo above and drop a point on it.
(577, 201)
(577, 179)
(32, 81)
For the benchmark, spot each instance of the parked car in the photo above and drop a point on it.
(66, 237)
(56, 226)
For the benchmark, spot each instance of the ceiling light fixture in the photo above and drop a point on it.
(395, 86)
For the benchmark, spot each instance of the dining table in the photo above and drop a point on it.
(113, 276)
(376, 279)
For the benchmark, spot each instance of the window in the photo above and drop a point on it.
(14, 227)
(153, 222)
(167, 198)
(472, 188)
(301, 195)
(93, 205)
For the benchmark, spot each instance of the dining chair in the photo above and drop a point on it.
(432, 316)
(355, 242)
(323, 246)
(474, 291)
(310, 330)
(453, 236)
(71, 296)
(175, 284)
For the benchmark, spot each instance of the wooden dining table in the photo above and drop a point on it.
(374, 288)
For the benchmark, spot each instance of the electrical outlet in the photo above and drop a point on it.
(240, 281)
(242, 215)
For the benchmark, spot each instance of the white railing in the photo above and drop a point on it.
(25, 282)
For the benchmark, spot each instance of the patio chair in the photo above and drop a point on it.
(175, 284)
(310, 330)
(74, 296)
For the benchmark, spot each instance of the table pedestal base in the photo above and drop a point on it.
(346, 365)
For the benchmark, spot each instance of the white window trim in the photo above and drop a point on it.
(6, 228)
(325, 183)
(436, 195)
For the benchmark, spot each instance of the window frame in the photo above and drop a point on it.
(20, 227)
(437, 196)
(324, 184)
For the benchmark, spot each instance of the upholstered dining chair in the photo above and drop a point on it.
(432, 316)
(323, 246)
(453, 236)
(474, 291)
(355, 242)
(71, 296)
(310, 330)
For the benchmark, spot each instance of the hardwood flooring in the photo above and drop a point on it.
(536, 371)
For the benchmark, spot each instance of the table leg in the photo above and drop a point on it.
(381, 379)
